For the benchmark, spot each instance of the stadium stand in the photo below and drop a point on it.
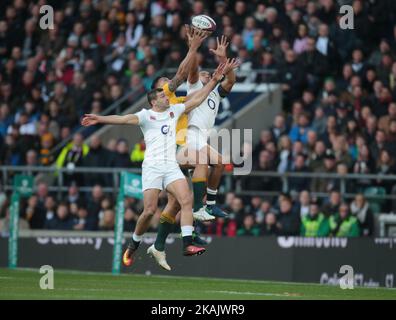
(339, 105)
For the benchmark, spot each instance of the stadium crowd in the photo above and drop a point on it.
(339, 103)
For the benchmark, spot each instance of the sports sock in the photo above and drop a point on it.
(165, 227)
(136, 240)
(187, 232)
(211, 197)
(199, 186)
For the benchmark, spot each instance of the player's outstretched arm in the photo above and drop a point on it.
(193, 75)
(93, 119)
(221, 53)
(200, 95)
(197, 38)
(230, 77)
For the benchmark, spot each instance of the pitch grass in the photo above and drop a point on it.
(24, 284)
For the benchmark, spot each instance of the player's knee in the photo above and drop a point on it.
(186, 201)
(150, 210)
(172, 202)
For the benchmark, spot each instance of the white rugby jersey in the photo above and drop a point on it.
(159, 130)
(204, 116)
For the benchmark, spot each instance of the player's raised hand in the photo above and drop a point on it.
(221, 49)
(198, 36)
(90, 120)
(219, 72)
(231, 64)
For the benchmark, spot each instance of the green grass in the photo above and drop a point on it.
(24, 284)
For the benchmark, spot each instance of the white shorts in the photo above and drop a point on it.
(160, 176)
(196, 138)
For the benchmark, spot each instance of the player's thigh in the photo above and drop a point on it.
(214, 157)
(150, 200)
(179, 188)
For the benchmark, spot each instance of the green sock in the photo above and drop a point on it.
(199, 189)
(164, 228)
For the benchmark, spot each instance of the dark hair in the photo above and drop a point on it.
(152, 95)
(63, 204)
(155, 81)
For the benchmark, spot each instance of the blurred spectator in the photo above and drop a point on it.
(254, 205)
(285, 154)
(230, 196)
(97, 156)
(300, 130)
(265, 138)
(33, 211)
(361, 210)
(137, 154)
(80, 220)
(325, 184)
(249, 228)
(73, 194)
(50, 209)
(332, 207)
(36, 208)
(94, 203)
(386, 166)
(106, 223)
(5, 224)
(343, 224)
(260, 214)
(314, 223)
(62, 220)
(265, 163)
(71, 157)
(288, 221)
(304, 203)
(121, 157)
(293, 79)
(313, 62)
(270, 226)
(279, 128)
(237, 211)
(300, 43)
(299, 183)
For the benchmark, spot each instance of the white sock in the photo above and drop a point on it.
(187, 231)
(136, 238)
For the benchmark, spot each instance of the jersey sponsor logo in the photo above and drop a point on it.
(211, 104)
(165, 129)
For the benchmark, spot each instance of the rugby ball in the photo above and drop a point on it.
(204, 23)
